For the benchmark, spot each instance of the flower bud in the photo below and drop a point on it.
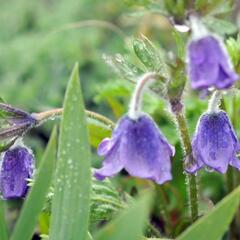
(17, 166)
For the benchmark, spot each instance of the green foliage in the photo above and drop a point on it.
(123, 227)
(220, 26)
(105, 201)
(213, 7)
(3, 222)
(122, 67)
(233, 46)
(72, 181)
(97, 132)
(148, 55)
(38, 46)
(33, 205)
(215, 223)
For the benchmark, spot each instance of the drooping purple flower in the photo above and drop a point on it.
(209, 64)
(139, 147)
(215, 144)
(16, 167)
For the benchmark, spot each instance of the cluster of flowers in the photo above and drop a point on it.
(137, 145)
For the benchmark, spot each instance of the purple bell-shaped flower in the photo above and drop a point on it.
(208, 63)
(17, 166)
(136, 145)
(139, 147)
(215, 144)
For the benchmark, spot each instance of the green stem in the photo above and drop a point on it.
(191, 179)
(235, 174)
(53, 113)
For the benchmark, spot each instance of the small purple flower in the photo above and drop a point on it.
(208, 64)
(17, 166)
(139, 147)
(215, 144)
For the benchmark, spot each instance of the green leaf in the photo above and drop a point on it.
(144, 3)
(97, 132)
(220, 26)
(130, 224)
(105, 201)
(150, 56)
(180, 44)
(215, 224)
(70, 207)
(34, 203)
(123, 68)
(3, 223)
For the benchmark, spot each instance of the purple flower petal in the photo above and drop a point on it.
(194, 161)
(112, 164)
(146, 152)
(140, 148)
(105, 146)
(17, 166)
(209, 64)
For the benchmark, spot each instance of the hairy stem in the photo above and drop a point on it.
(215, 101)
(191, 179)
(135, 103)
(53, 113)
(236, 175)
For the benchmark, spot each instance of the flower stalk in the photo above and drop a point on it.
(136, 101)
(191, 179)
(54, 113)
(215, 101)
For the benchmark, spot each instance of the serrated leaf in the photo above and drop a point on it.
(123, 227)
(3, 223)
(215, 224)
(105, 201)
(70, 207)
(33, 205)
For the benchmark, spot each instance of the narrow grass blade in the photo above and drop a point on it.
(70, 207)
(215, 224)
